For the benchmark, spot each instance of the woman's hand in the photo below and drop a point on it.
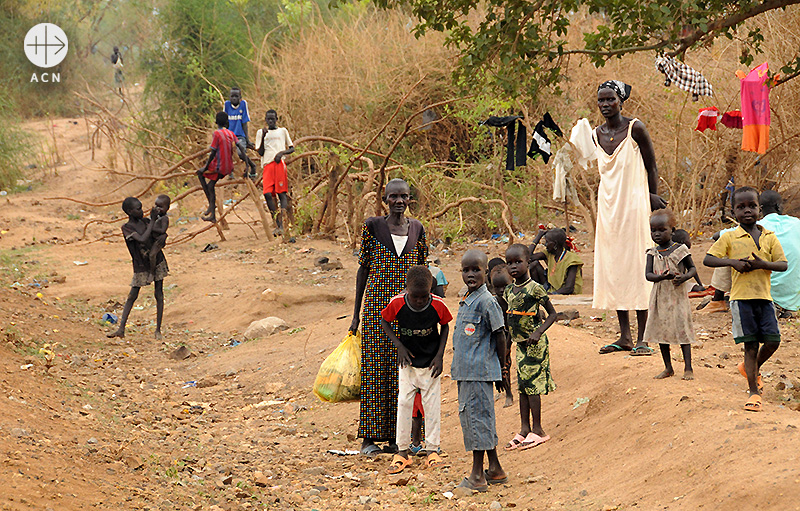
(656, 202)
(354, 324)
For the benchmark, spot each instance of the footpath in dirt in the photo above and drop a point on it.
(207, 419)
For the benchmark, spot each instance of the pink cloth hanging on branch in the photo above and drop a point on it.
(755, 109)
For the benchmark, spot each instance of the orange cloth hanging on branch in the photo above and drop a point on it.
(755, 109)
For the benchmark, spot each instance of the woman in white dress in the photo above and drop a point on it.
(628, 192)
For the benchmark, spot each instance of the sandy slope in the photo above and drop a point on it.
(636, 444)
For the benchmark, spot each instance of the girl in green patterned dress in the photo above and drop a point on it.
(524, 298)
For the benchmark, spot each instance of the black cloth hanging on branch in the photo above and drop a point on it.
(540, 144)
(516, 140)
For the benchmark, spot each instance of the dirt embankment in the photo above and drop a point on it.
(117, 424)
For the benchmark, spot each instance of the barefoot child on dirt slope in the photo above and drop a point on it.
(420, 353)
(478, 351)
(752, 252)
(219, 164)
(158, 237)
(499, 279)
(273, 143)
(136, 233)
(669, 317)
(524, 298)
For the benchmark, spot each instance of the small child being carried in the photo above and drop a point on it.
(158, 237)
(669, 316)
(524, 298)
(420, 353)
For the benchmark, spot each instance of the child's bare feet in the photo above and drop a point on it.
(509, 400)
(158, 335)
(211, 217)
(666, 373)
(117, 333)
(688, 375)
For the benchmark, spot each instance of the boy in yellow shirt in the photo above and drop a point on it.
(753, 253)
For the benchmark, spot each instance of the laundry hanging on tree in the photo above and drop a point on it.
(563, 186)
(732, 119)
(707, 119)
(755, 109)
(540, 144)
(581, 139)
(685, 77)
(515, 141)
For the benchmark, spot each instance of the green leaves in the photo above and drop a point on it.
(518, 46)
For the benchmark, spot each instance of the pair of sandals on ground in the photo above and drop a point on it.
(523, 443)
(399, 462)
(639, 351)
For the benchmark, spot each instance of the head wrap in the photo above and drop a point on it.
(622, 90)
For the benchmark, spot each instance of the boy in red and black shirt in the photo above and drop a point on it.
(420, 352)
(219, 164)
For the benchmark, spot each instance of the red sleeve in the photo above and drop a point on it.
(444, 313)
(391, 310)
(216, 139)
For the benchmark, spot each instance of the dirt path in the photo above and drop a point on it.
(120, 425)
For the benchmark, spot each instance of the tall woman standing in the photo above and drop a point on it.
(390, 245)
(628, 192)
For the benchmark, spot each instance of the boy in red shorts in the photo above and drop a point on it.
(272, 144)
(219, 164)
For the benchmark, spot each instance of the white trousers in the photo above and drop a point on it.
(411, 379)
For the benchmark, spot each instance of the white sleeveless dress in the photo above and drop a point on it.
(623, 228)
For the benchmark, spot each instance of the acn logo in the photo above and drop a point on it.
(46, 45)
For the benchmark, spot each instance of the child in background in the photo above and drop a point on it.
(524, 298)
(219, 164)
(238, 119)
(564, 267)
(698, 290)
(158, 237)
(499, 279)
(273, 143)
(669, 316)
(420, 353)
(137, 231)
(752, 252)
(439, 285)
(478, 351)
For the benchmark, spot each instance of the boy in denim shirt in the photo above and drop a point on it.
(479, 345)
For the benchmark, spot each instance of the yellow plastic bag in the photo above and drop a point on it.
(339, 376)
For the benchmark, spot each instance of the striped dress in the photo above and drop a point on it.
(387, 277)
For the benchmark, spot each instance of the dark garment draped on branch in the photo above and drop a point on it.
(515, 144)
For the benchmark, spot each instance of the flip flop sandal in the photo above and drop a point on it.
(434, 461)
(538, 441)
(371, 450)
(480, 489)
(753, 404)
(642, 351)
(529, 441)
(514, 443)
(759, 380)
(399, 464)
(612, 348)
(491, 481)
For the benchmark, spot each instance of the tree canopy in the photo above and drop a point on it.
(521, 45)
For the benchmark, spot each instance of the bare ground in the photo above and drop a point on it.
(116, 424)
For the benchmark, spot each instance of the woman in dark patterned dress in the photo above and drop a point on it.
(390, 245)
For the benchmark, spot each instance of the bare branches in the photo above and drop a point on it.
(504, 212)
